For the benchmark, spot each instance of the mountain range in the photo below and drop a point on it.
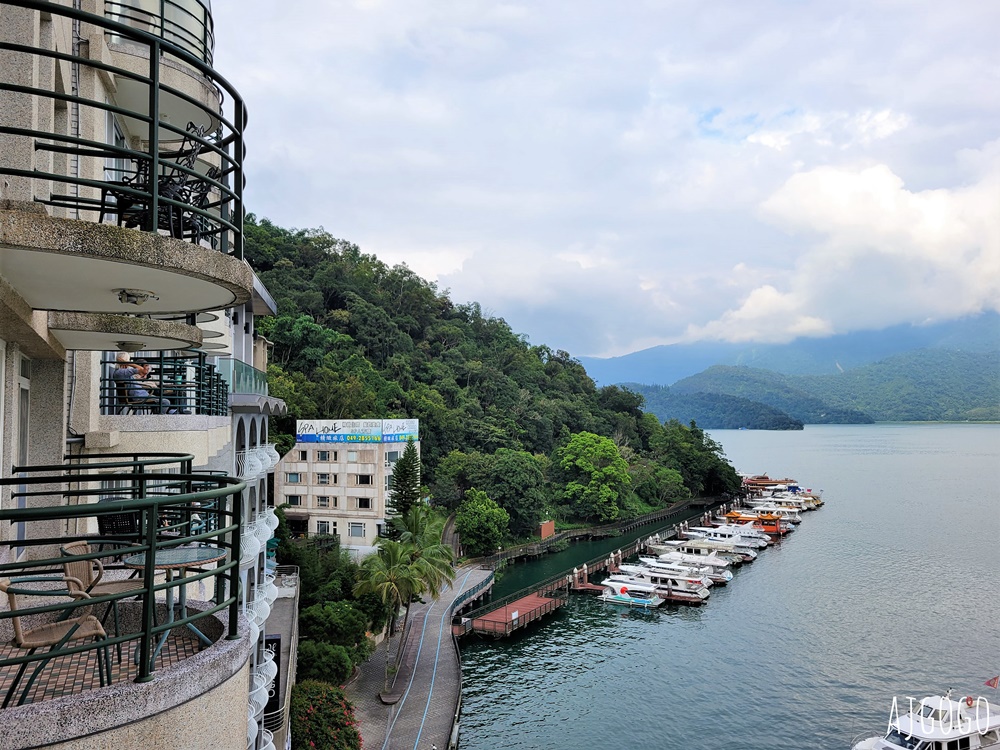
(944, 372)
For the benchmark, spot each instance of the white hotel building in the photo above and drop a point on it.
(336, 479)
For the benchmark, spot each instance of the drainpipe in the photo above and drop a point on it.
(74, 109)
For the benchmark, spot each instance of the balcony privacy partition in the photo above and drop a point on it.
(177, 164)
(170, 507)
(243, 378)
(191, 384)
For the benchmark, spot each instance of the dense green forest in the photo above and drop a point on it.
(713, 411)
(523, 424)
(922, 385)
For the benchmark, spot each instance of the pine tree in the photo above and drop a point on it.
(405, 491)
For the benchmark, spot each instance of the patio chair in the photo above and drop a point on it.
(87, 576)
(53, 635)
(121, 529)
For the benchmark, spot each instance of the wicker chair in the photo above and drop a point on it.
(86, 575)
(53, 635)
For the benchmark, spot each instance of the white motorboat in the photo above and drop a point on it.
(707, 546)
(786, 514)
(630, 591)
(718, 568)
(939, 722)
(671, 588)
(735, 534)
(643, 571)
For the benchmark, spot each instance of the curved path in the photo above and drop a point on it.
(422, 703)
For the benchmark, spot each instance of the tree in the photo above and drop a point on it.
(481, 523)
(322, 718)
(420, 530)
(327, 662)
(389, 574)
(337, 623)
(405, 490)
(597, 475)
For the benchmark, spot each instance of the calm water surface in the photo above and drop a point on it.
(893, 588)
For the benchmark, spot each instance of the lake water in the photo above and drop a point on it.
(891, 589)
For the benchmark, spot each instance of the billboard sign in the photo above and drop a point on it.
(356, 430)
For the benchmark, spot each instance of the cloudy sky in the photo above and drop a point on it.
(609, 176)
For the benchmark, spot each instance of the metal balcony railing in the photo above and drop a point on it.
(179, 166)
(157, 504)
(189, 384)
(243, 378)
(184, 23)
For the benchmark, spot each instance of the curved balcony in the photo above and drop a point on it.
(189, 383)
(146, 520)
(153, 142)
(248, 465)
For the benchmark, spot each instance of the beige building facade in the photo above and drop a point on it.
(337, 478)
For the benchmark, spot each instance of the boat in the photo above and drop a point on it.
(735, 534)
(630, 591)
(692, 573)
(718, 569)
(669, 587)
(707, 546)
(784, 513)
(939, 722)
(769, 523)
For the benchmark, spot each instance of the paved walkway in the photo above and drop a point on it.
(428, 685)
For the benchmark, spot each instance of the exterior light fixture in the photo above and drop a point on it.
(130, 346)
(134, 296)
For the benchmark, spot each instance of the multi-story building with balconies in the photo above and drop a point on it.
(133, 530)
(336, 480)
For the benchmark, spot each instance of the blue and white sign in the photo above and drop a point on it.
(356, 430)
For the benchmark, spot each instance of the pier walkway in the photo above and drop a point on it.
(419, 710)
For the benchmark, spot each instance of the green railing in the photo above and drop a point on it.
(179, 168)
(188, 384)
(166, 509)
(242, 378)
(185, 23)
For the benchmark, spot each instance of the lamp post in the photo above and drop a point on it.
(497, 566)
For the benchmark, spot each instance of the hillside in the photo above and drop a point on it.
(524, 424)
(781, 392)
(712, 411)
(923, 385)
(664, 365)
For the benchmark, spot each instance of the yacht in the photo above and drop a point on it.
(735, 534)
(630, 591)
(719, 571)
(765, 522)
(645, 572)
(671, 588)
(939, 722)
(715, 576)
(707, 546)
(785, 513)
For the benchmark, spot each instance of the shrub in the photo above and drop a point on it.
(323, 661)
(322, 718)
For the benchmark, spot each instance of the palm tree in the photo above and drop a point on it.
(391, 575)
(420, 529)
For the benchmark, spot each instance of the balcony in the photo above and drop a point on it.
(123, 192)
(189, 383)
(145, 510)
(242, 378)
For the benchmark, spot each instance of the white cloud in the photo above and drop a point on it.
(609, 177)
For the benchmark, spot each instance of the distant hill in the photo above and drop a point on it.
(781, 392)
(665, 365)
(712, 411)
(923, 385)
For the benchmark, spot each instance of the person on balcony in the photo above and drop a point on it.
(138, 388)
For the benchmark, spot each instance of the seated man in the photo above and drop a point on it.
(137, 386)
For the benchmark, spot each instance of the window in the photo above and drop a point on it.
(303, 455)
(324, 502)
(293, 477)
(322, 527)
(391, 457)
(364, 503)
(293, 499)
(352, 457)
(325, 456)
(365, 480)
(356, 529)
(322, 479)
(388, 482)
